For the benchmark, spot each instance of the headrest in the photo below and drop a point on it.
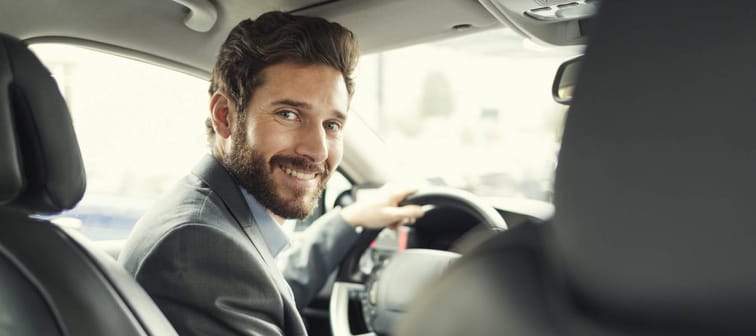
(655, 191)
(41, 169)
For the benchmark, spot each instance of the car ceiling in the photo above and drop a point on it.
(154, 29)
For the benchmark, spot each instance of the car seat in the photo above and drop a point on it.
(51, 281)
(653, 231)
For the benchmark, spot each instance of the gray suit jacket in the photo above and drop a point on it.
(200, 255)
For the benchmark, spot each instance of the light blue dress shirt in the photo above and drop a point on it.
(274, 237)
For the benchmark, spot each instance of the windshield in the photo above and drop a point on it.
(474, 112)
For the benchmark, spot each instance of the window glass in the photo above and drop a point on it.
(474, 112)
(140, 128)
(337, 184)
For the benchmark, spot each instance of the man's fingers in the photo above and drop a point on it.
(400, 194)
(407, 192)
(408, 211)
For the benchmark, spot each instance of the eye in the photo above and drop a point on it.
(333, 126)
(287, 114)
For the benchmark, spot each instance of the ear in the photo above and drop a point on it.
(220, 114)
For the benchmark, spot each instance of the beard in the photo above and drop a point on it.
(255, 175)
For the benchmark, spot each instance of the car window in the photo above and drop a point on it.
(467, 113)
(140, 128)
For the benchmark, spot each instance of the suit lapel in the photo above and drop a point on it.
(220, 181)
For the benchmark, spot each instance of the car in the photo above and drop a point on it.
(452, 96)
(651, 228)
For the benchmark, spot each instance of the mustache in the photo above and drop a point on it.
(300, 163)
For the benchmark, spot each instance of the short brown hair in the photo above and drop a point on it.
(277, 37)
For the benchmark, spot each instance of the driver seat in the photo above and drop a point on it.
(51, 281)
(654, 228)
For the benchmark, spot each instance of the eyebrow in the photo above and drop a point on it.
(303, 105)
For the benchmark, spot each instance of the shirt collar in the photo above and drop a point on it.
(273, 235)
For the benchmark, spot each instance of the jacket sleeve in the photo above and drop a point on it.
(314, 255)
(210, 283)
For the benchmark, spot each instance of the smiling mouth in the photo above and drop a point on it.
(298, 174)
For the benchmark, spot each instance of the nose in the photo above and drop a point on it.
(313, 143)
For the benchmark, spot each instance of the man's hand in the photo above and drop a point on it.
(379, 208)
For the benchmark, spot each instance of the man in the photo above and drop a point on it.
(206, 252)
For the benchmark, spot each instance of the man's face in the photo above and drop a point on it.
(291, 141)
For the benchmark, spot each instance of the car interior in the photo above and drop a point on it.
(54, 282)
(643, 231)
(650, 234)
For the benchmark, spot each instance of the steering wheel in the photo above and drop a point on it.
(392, 285)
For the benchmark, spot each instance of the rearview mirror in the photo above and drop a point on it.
(565, 80)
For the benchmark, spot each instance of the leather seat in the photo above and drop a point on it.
(51, 281)
(654, 228)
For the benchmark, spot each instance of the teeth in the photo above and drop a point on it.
(299, 175)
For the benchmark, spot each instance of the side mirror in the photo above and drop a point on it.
(565, 80)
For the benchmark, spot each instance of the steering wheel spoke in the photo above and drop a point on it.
(339, 307)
